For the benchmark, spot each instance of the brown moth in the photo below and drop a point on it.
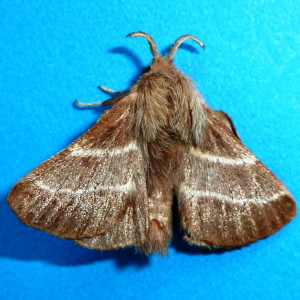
(114, 186)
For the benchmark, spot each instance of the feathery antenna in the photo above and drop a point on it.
(180, 40)
(150, 40)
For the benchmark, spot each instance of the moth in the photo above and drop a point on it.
(159, 145)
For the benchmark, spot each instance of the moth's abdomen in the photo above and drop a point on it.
(160, 220)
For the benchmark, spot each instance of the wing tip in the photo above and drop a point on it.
(14, 199)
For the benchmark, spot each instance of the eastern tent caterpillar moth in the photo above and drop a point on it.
(114, 186)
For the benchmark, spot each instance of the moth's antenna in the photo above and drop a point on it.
(150, 40)
(180, 40)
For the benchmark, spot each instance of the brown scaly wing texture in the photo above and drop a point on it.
(94, 187)
(123, 234)
(228, 198)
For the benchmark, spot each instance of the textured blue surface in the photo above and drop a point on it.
(53, 52)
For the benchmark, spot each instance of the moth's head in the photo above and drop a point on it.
(163, 62)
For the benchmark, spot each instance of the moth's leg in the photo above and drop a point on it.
(88, 104)
(107, 90)
(160, 220)
(113, 100)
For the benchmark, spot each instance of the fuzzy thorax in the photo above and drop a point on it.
(167, 105)
(168, 112)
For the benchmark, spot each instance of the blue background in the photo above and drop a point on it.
(53, 52)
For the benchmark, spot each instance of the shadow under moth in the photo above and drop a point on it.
(114, 186)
